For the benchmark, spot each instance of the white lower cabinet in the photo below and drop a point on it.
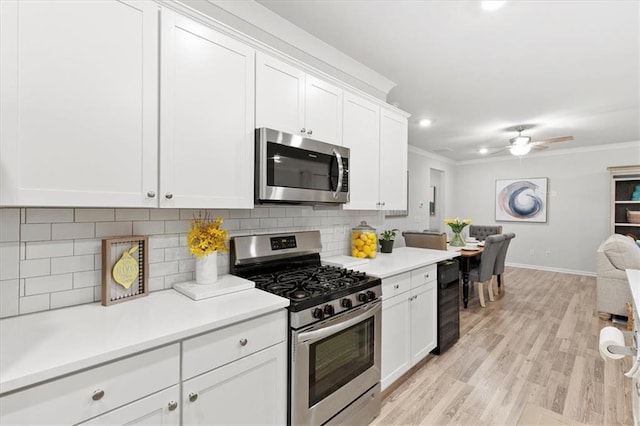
(409, 315)
(250, 391)
(159, 409)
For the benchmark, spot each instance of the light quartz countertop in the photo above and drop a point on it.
(44, 345)
(402, 259)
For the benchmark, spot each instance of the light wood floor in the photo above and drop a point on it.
(537, 344)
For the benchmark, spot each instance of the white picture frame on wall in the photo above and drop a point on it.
(521, 200)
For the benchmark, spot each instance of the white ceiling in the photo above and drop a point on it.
(567, 67)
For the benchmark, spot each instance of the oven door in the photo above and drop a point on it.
(290, 168)
(333, 363)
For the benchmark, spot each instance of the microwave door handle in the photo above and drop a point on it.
(340, 173)
(328, 330)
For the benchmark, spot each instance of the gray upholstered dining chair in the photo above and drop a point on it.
(483, 271)
(430, 240)
(498, 269)
(481, 232)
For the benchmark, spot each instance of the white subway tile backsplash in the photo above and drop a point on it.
(300, 221)
(163, 241)
(97, 261)
(9, 225)
(87, 247)
(156, 255)
(271, 222)
(156, 283)
(164, 214)
(9, 258)
(9, 298)
(187, 265)
(35, 268)
(177, 226)
(249, 223)
(176, 253)
(240, 214)
(231, 224)
(77, 296)
(62, 265)
(95, 215)
(155, 227)
(284, 222)
(48, 284)
(35, 232)
(131, 214)
(29, 304)
(260, 212)
(87, 279)
(37, 250)
(170, 280)
(163, 269)
(38, 215)
(114, 229)
(70, 231)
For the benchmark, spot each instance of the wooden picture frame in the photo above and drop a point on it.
(113, 251)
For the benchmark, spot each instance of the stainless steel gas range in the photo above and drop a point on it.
(334, 326)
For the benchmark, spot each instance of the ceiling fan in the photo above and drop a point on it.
(521, 145)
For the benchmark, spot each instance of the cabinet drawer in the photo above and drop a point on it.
(75, 398)
(396, 284)
(424, 275)
(211, 350)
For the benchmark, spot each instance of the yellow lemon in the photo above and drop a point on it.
(358, 243)
(354, 252)
(364, 237)
(366, 250)
(372, 237)
(361, 255)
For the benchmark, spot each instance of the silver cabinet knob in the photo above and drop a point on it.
(172, 405)
(397, 286)
(193, 397)
(426, 275)
(168, 196)
(303, 130)
(97, 395)
(243, 342)
(383, 203)
(151, 194)
(309, 132)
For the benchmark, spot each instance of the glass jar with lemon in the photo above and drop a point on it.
(364, 242)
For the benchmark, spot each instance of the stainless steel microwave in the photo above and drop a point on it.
(298, 170)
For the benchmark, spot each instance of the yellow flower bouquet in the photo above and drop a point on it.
(206, 236)
(457, 226)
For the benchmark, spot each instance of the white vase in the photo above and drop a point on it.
(207, 268)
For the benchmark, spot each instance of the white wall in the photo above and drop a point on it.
(578, 203)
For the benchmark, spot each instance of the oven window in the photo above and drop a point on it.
(337, 359)
(298, 168)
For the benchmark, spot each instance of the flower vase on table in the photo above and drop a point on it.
(457, 226)
(205, 240)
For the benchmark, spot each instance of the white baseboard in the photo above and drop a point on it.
(551, 269)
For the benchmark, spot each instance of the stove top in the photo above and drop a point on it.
(313, 285)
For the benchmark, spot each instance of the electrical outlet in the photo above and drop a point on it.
(547, 253)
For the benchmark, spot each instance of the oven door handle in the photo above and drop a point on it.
(330, 329)
(340, 173)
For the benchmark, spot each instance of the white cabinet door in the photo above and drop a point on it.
(396, 343)
(207, 118)
(289, 100)
(159, 409)
(323, 111)
(280, 95)
(361, 126)
(78, 93)
(393, 160)
(250, 391)
(423, 321)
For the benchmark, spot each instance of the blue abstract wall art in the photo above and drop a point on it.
(521, 200)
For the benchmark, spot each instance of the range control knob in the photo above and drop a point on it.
(329, 310)
(371, 295)
(346, 303)
(362, 297)
(318, 313)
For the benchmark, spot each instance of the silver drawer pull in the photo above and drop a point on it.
(193, 397)
(172, 405)
(243, 342)
(97, 395)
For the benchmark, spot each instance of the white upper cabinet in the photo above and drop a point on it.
(207, 117)
(394, 143)
(289, 100)
(79, 102)
(361, 128)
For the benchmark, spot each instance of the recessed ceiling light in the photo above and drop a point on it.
(483, 151)
(492, 5)
(425, 122)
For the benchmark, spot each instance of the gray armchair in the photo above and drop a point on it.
(483, 272)
(430, 240)
(481, 232)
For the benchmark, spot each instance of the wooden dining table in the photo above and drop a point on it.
(465, 259)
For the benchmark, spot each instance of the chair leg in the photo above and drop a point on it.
(490, 289)
(481, 295)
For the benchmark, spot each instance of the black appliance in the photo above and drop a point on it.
(448, 305)
(334, 326)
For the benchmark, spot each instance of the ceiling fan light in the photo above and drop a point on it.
(483, 151)
(519, 150)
